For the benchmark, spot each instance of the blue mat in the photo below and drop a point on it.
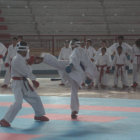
(99, 119)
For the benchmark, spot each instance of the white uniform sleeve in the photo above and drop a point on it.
(132, 53)
(128, 48)
(126, 60)
(91, 70)
(3, 49)
(92, 53)
(7, 60)
(114, 61)
(61, 55)
(108, 61)
(97, 60)
(28, 54)
(112, 49)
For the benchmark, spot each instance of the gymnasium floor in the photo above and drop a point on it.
(104, 115)
(99, 118)
(52, 88)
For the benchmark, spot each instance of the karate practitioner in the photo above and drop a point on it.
(120, 65)
(64, 55)
(136, 62)
(126, 48)
(21, 88)
(90, 50)
(103, 45)
(92, 55)
(103, 66)
(3, 51)
(77, 69)
(11, 53)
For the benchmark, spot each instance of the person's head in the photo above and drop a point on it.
(103, 50)
(14, 41)
(74, 43)
(120, 39)
(88, 43)
(20, 38)
(104, 44)
(22, 48)
(66, 43)
(119, 49)
(137, 42)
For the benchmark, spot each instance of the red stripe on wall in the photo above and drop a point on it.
(5, 36)
(1, 19)
(3, 27)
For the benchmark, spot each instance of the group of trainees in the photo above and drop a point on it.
(117, 58)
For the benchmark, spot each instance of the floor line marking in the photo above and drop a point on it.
(82, 107)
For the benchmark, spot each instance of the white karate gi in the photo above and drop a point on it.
(11, 53)
(80, 55)
(102, 62)
(91, 52)
(77, 76)
(3, 50)
(120, 61)
(22, 90)
(98, 52)
(126, 48)
(64, 55)
(136, 63)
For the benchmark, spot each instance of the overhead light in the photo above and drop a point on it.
(26, 6)
(83, 14)
(45, 6)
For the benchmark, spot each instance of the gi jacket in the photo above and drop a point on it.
(19, 68)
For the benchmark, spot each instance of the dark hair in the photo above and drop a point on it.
(74, 40)
(119, 47)
(66, 41)
(104, 41)
(121, 37)
(89, 40)
(14, 38)
(137, 42)
(20, 37)
(103, 49)
(23, 43)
